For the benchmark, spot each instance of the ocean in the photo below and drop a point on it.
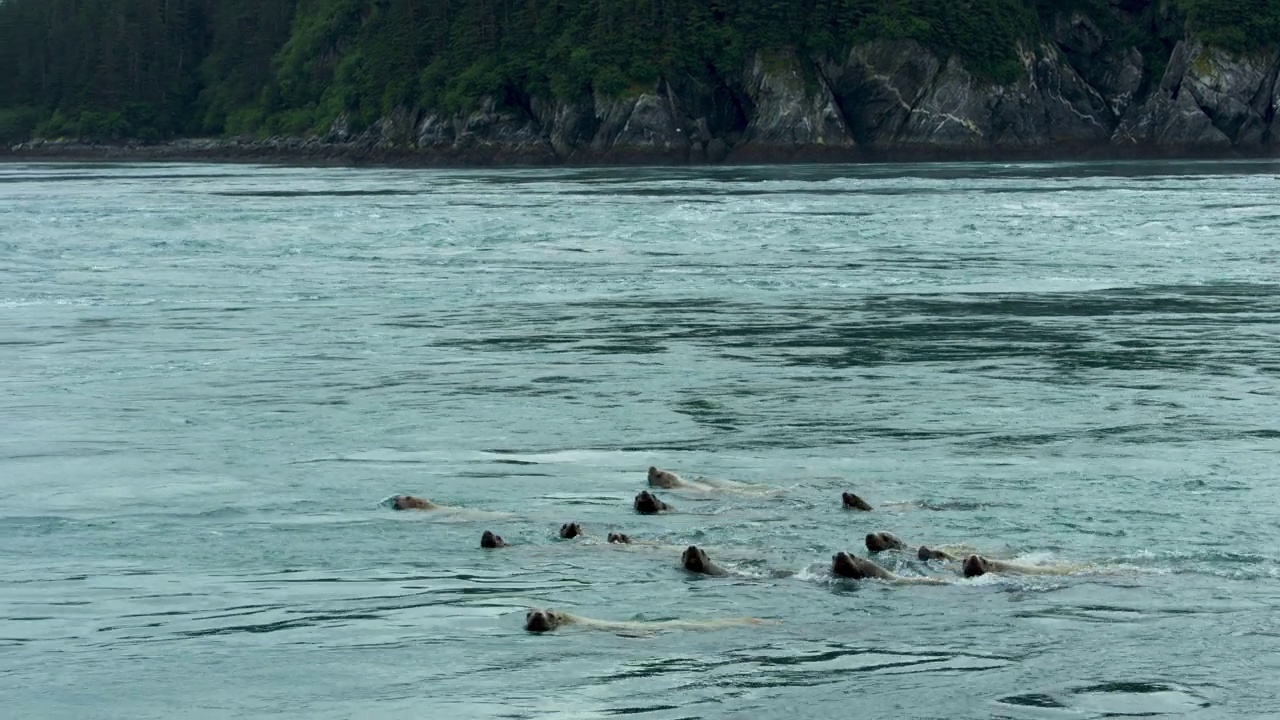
(215, 377)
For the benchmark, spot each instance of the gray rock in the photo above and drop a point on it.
(643, 127)
(791, 115)
(879, 86)
(396, 129)
(897, 95)
(1207, 99)
(568, 126)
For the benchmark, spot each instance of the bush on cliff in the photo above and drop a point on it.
(157, 68)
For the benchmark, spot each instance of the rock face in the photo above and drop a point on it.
(791, 118)
(1208, 99)
(1077, 93)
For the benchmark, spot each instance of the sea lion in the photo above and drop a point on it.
(664, 479)
(977, 565)
(694, 559)
(540, 620)
(926, 554)
(856, 568)
(853, 502)
(881, 541)
(647, 503)
(570, 530)
(409, 502)
(490, 540)
(668, 480)
(620, 538)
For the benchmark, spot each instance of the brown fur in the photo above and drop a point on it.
(856, 568)
(853, 502)
(694, 559)
(927, 553)
(977, 565)
(663, 479)
(881, 541)
(490, 540)
(647, 503)
(409, 502)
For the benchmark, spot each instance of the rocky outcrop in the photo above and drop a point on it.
(1208, 100)
(1077, 93)
(898, 96)
(644, 128)
(793, 116)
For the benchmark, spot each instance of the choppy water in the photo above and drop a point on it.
(214, 376)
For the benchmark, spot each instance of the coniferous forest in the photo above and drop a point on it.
(156, 69)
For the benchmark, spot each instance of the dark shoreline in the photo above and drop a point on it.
(304, 153)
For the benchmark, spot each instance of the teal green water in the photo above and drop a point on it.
(214, 376)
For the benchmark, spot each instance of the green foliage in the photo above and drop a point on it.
(1240, 26)
(151, 69)
(16, 123)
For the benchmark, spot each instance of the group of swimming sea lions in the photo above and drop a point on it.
(694, 559)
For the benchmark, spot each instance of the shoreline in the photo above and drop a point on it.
(314, 153)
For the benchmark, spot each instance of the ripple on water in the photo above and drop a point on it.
(213, 375)
(1109, 699)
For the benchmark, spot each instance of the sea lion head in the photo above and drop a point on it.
(976, 565)
(662, 478)
(695, 559)
(539, 620)
(617, 537)
(570, 530)
(926, 553)
(853, 502)
(880, 541)
(846, 565)
(490, 540)
(409, 502)
(648, 504)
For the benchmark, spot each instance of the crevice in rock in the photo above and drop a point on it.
(852, 123)
(1266, 97)
(913, 107)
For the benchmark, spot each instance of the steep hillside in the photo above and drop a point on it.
(551, 81)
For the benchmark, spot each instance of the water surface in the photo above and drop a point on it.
(215, 375)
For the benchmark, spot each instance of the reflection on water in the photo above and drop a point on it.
(217, 376)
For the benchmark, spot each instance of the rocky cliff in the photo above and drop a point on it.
(1077, 94)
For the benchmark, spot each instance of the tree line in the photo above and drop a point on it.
(154, 69)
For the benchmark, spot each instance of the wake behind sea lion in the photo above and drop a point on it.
(977, 565)
(853, 567)
(540, 620)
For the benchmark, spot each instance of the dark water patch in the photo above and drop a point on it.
(1115, 699)
(253, 628)
(112, 177)
(315, 193)
(964, 505)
